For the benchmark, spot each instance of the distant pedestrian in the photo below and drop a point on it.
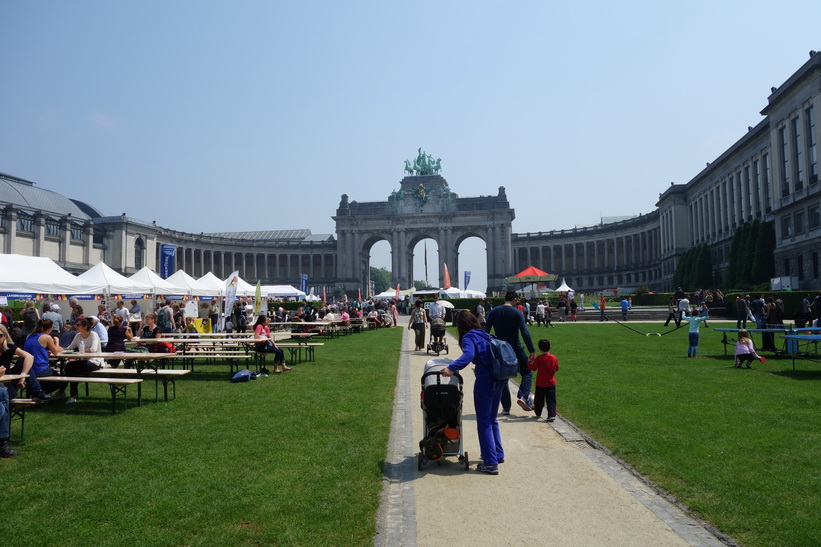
(625, 307)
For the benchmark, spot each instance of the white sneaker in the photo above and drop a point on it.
(522, 403)
(71, 401)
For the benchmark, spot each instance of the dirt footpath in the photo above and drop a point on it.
(551, 488)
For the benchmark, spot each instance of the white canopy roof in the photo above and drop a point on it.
(470, 293)
(563, 287)
(114, 283)
(281, 290)
(33, 274)
(212, 282)
(246, 289)
(161, 286)
(191, 285)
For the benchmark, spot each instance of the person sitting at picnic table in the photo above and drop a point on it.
(345, 317)
(39, 344)
(85, 341)
(151, 330)
(15, 359)
(118, 333)
(102, 332)
(265, 344)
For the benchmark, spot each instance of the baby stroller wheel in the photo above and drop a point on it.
(420, 463)
(466, 461)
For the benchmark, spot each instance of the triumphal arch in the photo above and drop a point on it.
(422, 207)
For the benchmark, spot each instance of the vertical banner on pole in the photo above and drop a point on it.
(467, 280)
(230, 296)
(167, 254)
(303, 283)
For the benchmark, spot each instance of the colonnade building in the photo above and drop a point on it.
(769, 174)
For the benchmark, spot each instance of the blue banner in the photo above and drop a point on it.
(467, 280)
(303, 285)
(167, 254)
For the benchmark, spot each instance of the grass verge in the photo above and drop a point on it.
(293, 459)
(739, 447)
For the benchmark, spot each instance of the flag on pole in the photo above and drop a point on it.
(426, 264)
(467, 280)
(398, 294)
(258, 300)
(446, 283)
(230, 296)
(324, 297)
(359, 293)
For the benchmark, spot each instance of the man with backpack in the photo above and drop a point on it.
(165, 318)
(508, 323)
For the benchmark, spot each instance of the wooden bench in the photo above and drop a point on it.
(163, 374)
(295, 350)
(213, 358)
(17, 410)
(117, 385)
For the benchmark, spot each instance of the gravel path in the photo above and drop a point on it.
(553, 487)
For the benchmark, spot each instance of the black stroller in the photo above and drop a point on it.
(441, 415)
(437, 330)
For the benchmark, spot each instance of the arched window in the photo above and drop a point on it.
(139, 253)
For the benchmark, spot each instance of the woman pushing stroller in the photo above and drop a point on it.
(487, 390)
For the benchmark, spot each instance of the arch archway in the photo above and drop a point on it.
(423, 207)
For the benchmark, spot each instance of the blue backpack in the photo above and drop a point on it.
(504, 363)
(243, 375)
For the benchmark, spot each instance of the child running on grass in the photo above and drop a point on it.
(545, 366)
(695, 322)
(745, 350)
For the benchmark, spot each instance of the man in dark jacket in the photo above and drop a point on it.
(508, 323)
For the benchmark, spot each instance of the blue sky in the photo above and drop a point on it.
(250, 115)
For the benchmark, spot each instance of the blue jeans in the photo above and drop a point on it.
(34, 385)
(5, 415)
(693, 336)
(279, 355)
(487, 392)
(524, 385)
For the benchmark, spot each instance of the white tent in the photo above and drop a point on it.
(563, 287)
(470, 293)
(284, 291)
(114, 283)
(212, 282)
(246, 289)
(33, 274)
(191, 285)
(161, 286)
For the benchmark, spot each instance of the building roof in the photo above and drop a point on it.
(275, 235)
(26, 195)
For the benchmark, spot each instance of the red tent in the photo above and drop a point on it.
(532, 274)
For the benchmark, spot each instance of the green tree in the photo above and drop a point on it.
(381, 279)
(418, 285)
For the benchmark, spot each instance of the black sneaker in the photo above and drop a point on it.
(488, 470)
(41, 397)
(6, 451)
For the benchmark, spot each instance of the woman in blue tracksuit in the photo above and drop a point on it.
(487, 390)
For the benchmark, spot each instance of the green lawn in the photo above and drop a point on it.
(290, 459)
(742, 448)
(297, 458)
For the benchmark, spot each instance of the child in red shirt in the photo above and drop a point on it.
(545, 366)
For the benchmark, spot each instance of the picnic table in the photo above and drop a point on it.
(796, 339)
(144, 361)
(17, 406)
(164, 375)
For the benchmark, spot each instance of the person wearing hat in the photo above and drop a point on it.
(57, 321)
